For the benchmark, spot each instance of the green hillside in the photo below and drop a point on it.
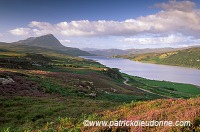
(186, 58)
(48, 85)
(22, 48)
(41, 88)
(180, 111)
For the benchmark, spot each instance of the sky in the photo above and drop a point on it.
(103, 24)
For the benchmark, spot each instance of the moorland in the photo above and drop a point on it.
(47, 88)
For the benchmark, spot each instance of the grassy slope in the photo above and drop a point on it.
(159, 110)
(162, 109)
(54, 87)
(169, 89)
(187, 58)
(64, 85)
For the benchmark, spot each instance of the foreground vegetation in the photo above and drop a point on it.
(160, 110)
(186, 58)
(47, 90)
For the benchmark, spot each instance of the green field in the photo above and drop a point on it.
(169, 89)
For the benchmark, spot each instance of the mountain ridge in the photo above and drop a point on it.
(114, 52)
(43, 43)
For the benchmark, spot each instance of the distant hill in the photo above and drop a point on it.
(43, 43)
(88, 49)
(113, 52)
(108, 52)
(187, 57)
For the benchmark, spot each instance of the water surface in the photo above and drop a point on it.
(151, 71)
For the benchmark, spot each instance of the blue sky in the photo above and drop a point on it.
(103, 23)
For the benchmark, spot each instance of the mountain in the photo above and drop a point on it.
(42, 41)
(185, 57)
(45, 43)
(114, 52)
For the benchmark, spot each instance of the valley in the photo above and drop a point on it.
(48, 89)
(99, 66)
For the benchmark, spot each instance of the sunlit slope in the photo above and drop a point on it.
(187, 58)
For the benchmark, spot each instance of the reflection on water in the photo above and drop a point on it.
(151, 71)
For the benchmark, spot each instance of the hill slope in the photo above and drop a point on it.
(183, 115)
(41, 86)
(157, 110)
(38, 88)
(187, 57)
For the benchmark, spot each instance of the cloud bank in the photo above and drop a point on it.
(175, 17)
(20, 31)
(177, 39)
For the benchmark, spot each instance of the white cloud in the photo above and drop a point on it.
(176, 17)
(20, 31)
(177, 5)
(65, 41)
(41, 28)
(147, 40)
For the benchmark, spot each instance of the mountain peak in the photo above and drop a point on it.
(47, 35)
(47, 40)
